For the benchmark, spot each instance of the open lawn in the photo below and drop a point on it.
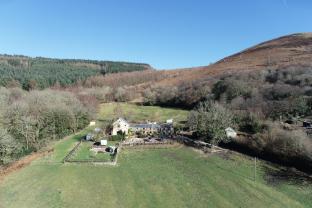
(140, 113)
(177, 177)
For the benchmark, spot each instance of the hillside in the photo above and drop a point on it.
(44, 72)
(283, 52)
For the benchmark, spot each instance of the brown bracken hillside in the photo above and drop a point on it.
(283, 52)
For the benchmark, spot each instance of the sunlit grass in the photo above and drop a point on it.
(176, 177)
(140, 113)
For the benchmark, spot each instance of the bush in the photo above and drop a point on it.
(249, 123)
(288, 144)
(279, 92)
(119, 137)
(9, 147)
(231, 89)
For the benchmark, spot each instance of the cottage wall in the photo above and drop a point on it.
(120, 125)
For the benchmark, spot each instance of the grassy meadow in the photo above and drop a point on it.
(140, 113)
(177, 177)
(174, 177)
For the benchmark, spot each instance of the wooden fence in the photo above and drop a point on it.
(204, 146)
(67, 157)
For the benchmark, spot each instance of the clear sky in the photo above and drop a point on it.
(164, 33)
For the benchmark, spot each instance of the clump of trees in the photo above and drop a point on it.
(185, 95)
(105, 94)
(229, 89)
(210, 120)
(30, 120)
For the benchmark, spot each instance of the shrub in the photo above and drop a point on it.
(278, 92)
(149, 97)
(249, 123)
(288, 144)
(9, 147)
(119, 137)
(231, 88)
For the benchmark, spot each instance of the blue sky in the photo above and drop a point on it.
(164, 33)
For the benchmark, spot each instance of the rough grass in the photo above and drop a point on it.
(139, 113)
(178, 177)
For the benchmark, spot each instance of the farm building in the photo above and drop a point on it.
(120, 125)
(165, 129)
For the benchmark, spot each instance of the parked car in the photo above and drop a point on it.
(307, 124)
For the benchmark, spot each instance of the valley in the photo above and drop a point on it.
(171, 177)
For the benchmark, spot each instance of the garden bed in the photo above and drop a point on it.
(82, 153)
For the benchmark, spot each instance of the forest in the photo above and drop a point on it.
(39, 73)
(31, 120)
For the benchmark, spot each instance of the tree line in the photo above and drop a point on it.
(30, 120)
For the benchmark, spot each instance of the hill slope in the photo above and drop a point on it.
(283, 52)
(44, 72)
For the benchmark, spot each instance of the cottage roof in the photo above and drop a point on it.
(141, 126)
(119, 120)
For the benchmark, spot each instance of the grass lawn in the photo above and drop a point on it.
(139, 113)
(83, 153)
(178, 177)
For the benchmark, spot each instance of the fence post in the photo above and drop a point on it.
(255, 169)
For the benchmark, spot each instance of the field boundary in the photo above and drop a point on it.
(23, 162)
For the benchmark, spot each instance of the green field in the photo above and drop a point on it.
(177, 177)
(139, 113)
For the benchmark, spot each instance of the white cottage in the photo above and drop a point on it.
(120, 125)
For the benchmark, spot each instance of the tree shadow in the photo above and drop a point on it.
(276, 175)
